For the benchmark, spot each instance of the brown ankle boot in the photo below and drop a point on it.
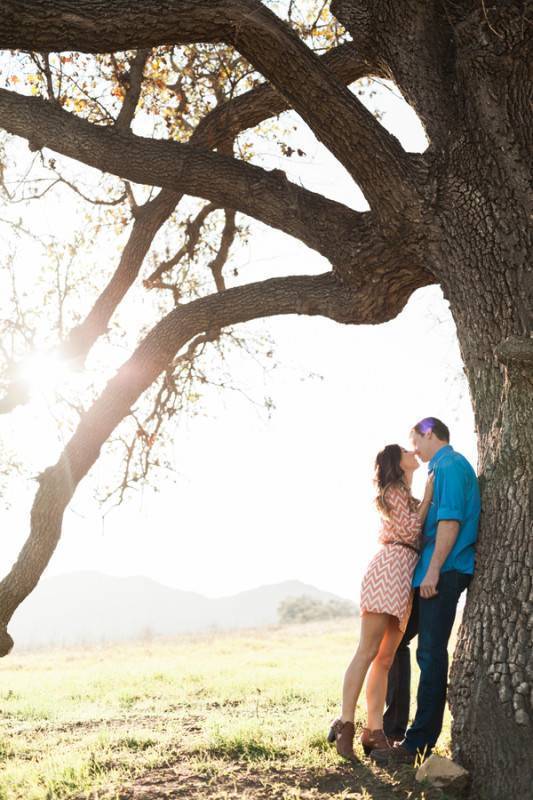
(373, 740)
(342, 734)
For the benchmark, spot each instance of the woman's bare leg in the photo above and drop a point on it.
(376, 685)
(373, 627)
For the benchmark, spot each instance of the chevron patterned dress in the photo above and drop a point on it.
(386, 586)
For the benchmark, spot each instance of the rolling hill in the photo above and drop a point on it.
(89, 607)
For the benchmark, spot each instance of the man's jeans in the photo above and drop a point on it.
(433, 621)
(396, 717)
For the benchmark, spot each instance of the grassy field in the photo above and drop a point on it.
(241, 715)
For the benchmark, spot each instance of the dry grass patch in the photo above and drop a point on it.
(220, 716)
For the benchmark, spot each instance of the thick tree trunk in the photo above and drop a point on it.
(479, 248)
(484, 242)
(491, 682)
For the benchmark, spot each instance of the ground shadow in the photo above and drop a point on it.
(274, 781)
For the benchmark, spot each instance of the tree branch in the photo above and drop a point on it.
(324, 220)
(251, 108)
(217, 129)
(228, 235)
(309, 295)
(133, 91)
(373, 157)
(149, 219)
(268, 196)
(193, 230)
(353, 242)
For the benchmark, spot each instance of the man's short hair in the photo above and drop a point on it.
(440, 430)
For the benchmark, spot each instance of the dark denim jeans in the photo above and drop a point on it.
(433, 621)
(396, 717)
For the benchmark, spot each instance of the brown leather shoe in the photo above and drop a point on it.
(393, 756)
(374, 740)
(394, 740)
(342, 734)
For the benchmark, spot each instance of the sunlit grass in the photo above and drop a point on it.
(86, 722)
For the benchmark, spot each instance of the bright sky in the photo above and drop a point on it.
(259, 500)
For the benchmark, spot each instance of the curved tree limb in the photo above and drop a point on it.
(309, 295)
(268, 196)
(373, 157)
(325, 220)
(253, 107)
(221, 125)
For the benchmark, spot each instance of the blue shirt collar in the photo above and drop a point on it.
(438, 455)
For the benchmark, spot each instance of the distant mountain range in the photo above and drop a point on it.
(88, 607)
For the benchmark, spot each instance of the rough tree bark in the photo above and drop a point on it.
(468, 84)
(456, 215)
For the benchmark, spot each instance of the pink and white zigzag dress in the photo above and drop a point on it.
(386, 586)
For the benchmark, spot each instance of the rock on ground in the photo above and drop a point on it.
(443, 773)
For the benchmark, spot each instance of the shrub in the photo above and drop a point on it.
(307, 609)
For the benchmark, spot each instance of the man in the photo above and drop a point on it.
(444, 570)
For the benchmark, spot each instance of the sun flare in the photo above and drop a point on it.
(43, 372)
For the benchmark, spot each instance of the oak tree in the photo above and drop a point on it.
(455, 215)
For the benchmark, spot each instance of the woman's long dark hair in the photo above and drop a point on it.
(388, 473)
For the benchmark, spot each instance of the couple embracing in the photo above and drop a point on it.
(411, 587)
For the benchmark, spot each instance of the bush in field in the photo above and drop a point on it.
(307, 609)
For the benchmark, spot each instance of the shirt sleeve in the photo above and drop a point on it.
(451, 488)
(405, 522)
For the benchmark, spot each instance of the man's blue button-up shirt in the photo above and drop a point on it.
(455, 496)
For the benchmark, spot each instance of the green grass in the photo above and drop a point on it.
(220, 716)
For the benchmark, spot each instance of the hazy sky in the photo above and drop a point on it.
(260, 499)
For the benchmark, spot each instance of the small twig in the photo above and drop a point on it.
(193, 229)
(94, 201)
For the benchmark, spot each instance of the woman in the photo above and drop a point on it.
(386, 597)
